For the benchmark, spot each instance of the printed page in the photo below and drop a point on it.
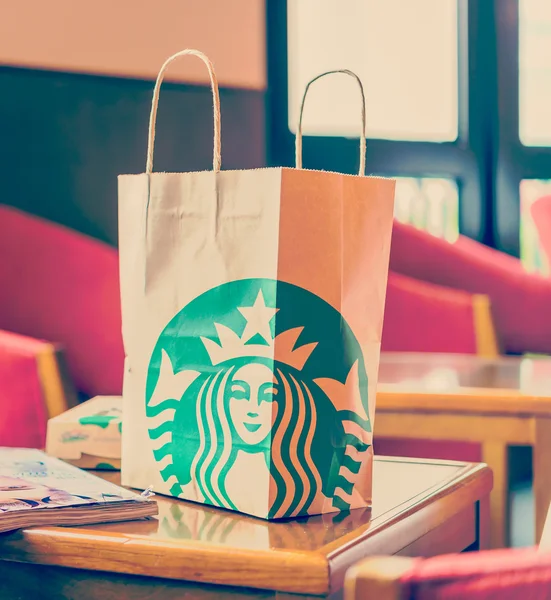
(30, 479)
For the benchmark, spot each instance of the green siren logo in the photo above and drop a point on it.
(256, 400)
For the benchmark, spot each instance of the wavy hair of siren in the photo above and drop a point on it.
(297, 477)
(310, 413)
(295, 473)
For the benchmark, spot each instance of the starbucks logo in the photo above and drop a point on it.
(256, 400)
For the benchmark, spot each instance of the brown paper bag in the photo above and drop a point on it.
(252, 313)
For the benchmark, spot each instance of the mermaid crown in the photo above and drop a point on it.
(256, 339)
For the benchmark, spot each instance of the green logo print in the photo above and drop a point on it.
(257, 392)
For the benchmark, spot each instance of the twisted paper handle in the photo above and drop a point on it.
(298, 138)
(217, 158)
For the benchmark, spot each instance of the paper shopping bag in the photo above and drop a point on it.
(252, 312)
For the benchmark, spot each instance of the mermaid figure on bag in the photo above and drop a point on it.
(253, 420)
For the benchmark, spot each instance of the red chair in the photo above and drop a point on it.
(541, 213)
(423, 317)
(33, 388)
(491, 575)
(520, 300)
(61, 286)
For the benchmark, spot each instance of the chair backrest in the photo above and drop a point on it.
(492, 575)
(520, 300)
(424, 317)
(61, 286)
(33, 388)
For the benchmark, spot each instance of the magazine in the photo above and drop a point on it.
(37, 489)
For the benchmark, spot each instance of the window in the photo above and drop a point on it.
(428, 203)
(404, 52)
(522, 139)
(535, 72)
(458, 99)
(425, 101)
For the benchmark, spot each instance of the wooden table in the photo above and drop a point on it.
(420, 508)
(500, 403)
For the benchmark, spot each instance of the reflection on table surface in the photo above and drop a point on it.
(449, 372)
(396, 484)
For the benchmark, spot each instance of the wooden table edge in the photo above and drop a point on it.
(473, 488)
(288, 571)
(479, 475)
(492, 401)
(291, 571)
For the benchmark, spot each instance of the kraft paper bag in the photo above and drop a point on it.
(252, 309)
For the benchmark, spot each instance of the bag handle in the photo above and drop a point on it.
(217, 159)
(298, 138)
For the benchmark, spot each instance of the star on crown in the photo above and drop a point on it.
(257, 340)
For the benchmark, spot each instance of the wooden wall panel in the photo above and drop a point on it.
(132, 38)
(65, 138)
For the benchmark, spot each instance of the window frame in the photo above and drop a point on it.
(515, 161)
(468, 160)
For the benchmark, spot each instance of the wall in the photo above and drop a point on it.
(76, 88)
(132, 38)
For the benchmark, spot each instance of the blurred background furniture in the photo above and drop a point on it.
(61, 286)
(34, 386)
(420, 508)
(510, 299)
(492, 575)
(519, 299)
(493, 405)
(424, 317)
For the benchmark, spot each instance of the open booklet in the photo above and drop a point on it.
(37, 489)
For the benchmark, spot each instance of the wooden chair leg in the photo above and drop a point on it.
(495, 455)
(484, 523)
(542, 472)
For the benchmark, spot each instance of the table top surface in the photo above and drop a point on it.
(504, 380)
(200, 543)
(397, 484)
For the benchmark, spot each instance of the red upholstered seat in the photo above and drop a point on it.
(23, 406)
(423, 317)
(541, 213)
(492, 575)
(63, 287)
(520, 300)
